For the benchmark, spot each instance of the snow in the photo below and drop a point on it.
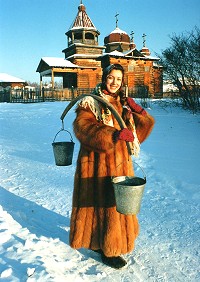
(88, 56)
(116, 53)
(118, 30)
(58, 62)
(36, 195)
(169, 87)
(4, 77)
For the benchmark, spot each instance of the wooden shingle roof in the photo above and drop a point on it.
(82, 20)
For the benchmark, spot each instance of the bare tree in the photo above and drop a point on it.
(181, 62)
(33, 84)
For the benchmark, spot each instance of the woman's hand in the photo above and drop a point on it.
(123, 134)
(135, 107)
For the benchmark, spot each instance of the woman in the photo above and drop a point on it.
(95, 223)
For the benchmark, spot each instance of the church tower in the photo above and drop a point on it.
(82, 36)
(83, 50)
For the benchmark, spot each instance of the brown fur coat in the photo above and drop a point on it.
(95, 223)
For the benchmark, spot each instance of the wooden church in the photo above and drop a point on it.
(84, 59)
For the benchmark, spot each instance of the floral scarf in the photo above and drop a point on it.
(104, 115)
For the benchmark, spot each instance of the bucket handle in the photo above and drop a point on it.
(144, 174)
(62, 129)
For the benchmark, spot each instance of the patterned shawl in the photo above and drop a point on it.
(104, 115)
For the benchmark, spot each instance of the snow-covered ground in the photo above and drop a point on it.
(36, 195)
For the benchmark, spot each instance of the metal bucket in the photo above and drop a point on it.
(63, 151)
(128, 193)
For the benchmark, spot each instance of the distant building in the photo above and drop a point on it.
(8, 81)
(84, 59)
(169, 89)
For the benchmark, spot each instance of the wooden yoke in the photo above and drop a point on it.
(110, 107)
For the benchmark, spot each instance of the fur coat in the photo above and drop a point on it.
(95, 223)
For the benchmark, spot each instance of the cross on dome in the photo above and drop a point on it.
(132, 36)
(144, 39)
(116, 19)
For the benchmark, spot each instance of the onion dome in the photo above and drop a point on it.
(145, 51)
(117, 35)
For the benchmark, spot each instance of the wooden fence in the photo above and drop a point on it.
(37, 95)
(66, 94)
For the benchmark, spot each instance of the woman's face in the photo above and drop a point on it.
(114, 81)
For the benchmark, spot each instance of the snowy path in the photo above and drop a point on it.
(35, 202)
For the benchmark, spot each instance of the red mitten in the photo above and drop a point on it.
(135, 107)
(124, 134)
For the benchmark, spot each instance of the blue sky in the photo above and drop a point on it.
(32, 29)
